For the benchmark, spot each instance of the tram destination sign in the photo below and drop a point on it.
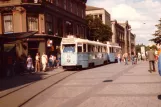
(68, 40)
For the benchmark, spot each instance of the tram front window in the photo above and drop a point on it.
(69, 48)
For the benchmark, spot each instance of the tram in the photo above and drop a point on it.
(82, 53)
(112, 50)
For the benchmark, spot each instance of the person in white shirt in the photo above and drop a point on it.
(44, 60)
(29, 63)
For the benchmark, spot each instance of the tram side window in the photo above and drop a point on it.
(99, 49)
(84, 48)
(93, 48)
(96, 49)
(79, 48)
(89, 48)
(105, 49)
(111, 50)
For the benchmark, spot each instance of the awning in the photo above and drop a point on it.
(47, 36)
(14, 37)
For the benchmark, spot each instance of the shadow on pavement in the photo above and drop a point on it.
(108, 81)
(12, 82)
(159, 97)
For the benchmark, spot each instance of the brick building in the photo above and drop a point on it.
(51, 19)
(123, 36)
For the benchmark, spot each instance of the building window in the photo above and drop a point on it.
(82, 11)
(95, 16)
(32, 22)
(77, 9)
(51, 1)
(65, 4)
(69, 28)
(8, 23)
(100, 16)
(71, 6)
(57, 2)
(49, 23)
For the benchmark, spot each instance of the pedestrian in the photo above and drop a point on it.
(132, 58)
(29, 64)
(37, 62)
(126, 58)
(58, 59)
(55, 61)
(51, 61)
(44, 60)
(118, 58)
(151, 58)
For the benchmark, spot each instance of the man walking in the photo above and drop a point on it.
(37, 63)
(151, 58)
(44, 60)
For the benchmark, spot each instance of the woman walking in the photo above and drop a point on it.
(29, 64)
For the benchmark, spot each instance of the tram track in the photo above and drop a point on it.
(29, 92)
(21, 93)
(8, 93)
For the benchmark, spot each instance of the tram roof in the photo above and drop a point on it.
(85, 41)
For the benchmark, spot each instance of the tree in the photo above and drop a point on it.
(98, 30)
(157, 34)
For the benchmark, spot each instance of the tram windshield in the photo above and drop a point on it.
(69, 48)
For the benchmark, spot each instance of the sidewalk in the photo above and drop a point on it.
(11, 84)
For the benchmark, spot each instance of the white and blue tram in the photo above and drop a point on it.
(113, 49)
(82, 53)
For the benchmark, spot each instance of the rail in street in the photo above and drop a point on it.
(112, 85)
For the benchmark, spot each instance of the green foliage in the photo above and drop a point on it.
(147, 48)
(154, 47)
(157, 34)
(138, 48)
(98, 30)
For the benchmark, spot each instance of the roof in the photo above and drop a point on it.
(77, 40)
(122, 24)
(88, 8)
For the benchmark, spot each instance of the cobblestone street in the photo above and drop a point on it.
(113, 85)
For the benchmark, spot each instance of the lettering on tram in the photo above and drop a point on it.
(83, 53)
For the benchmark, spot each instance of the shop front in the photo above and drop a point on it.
(12, 49)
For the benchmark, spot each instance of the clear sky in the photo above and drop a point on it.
(142, 15)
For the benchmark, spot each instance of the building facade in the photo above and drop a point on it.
(123, 36)
(99, 13)
(51, 19)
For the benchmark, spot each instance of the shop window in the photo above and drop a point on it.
(8, 23)
(32, 22)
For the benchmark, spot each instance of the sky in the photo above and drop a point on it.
(142, 15)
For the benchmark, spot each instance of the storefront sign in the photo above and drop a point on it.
(49, 43)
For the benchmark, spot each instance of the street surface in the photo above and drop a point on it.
(112, 85)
